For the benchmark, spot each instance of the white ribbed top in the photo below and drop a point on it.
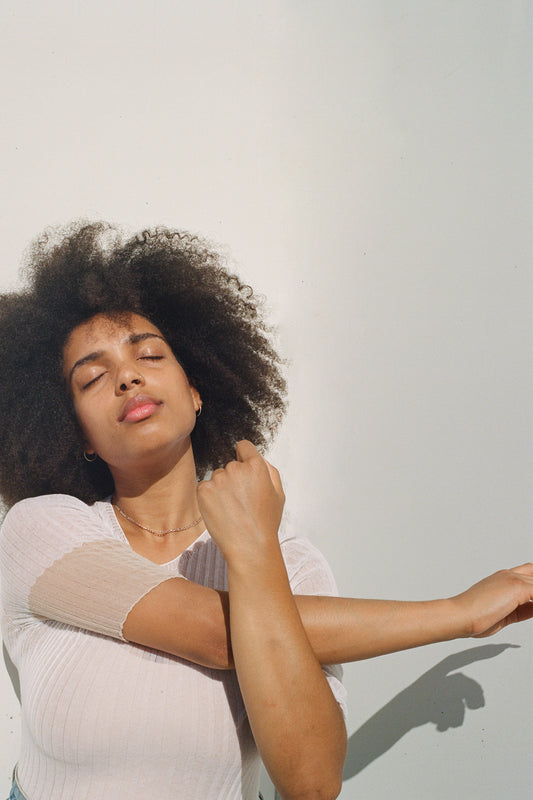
(103, 718)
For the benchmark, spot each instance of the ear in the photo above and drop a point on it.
(197, 400)
(87, 447)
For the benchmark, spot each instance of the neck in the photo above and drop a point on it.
(160, 499)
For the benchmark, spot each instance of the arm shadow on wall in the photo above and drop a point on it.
(440, 696)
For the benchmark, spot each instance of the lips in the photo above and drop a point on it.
(137, 408)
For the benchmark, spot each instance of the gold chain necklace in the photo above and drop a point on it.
(157, 533)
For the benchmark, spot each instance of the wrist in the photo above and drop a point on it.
(257, 568)
(460, 622)
(250, 549)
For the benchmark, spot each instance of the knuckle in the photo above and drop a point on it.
(258, 462)
(230, 469)
(203, 489)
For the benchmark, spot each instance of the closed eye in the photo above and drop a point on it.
(93, 380)
(150, 358)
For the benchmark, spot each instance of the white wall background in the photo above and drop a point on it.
(368, 163)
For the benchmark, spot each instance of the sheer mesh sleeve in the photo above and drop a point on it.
(59, 563)
(310, 573)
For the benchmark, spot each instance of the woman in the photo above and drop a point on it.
(131, 370)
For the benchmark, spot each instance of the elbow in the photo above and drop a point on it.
(334, 788)
(320, 777)
(315, 785)
(332, 792)
(326, 790)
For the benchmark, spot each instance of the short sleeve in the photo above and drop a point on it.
(310, 573)
(59, 563)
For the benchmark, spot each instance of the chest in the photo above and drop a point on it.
(97, 699)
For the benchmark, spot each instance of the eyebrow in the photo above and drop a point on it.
(133, 338)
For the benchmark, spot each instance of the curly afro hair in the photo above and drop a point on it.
(213, 323)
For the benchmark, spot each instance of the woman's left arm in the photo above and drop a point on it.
(296, 721)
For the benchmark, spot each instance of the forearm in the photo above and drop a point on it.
(193, 622)
(278, 674)
(343, 629)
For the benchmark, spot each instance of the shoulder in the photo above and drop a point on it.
(44, 503)
(36, 510)
(307, 568)
(51, 520)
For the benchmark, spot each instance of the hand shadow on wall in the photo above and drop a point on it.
(436, 697)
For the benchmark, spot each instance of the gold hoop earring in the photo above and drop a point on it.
(90, 457)
(199, 411)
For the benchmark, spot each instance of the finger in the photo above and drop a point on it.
(246, 450)
(275, 477)
(207, 481)
(524, 612)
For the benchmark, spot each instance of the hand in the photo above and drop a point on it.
(497, 601)
(242, 503)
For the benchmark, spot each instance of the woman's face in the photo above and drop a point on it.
(132, 398)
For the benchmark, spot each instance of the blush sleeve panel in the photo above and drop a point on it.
(60, 563)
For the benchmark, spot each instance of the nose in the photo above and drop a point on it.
(127, 377)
